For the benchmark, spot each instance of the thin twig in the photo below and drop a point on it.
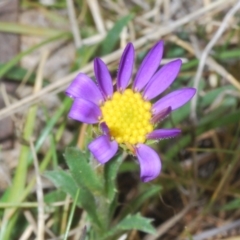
(143, 4)
(39, 78)
(74, 24)
(39, 187)
(61, 84)
(209, 61)
(40, 198)
(168, 224)
(27, 233)
(81, 226)
(65, 214)
(32, 204)
(28, 215)
(6, 100)
(166, 7)
(157, 17)
(205, 54)
(96, 13)
(216, 231)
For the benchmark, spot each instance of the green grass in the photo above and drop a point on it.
(200, 166)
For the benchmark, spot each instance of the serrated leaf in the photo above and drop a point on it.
(88, 204)
(136, 222)
(110, 173)
(82, 172)
(129, 223)
(67, 184)
(112, 37)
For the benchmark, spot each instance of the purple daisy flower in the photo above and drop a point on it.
(126, 116)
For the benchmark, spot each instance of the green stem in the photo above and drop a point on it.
(71, 214)
(20, 176)
(11, 213)
(103, 206)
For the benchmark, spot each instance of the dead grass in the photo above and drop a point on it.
(200, 179)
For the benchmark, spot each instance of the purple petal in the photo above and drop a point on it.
(150, 163)
(103, 78)
(161, 115)
(162, 79)
(174, 99)
(105, 128)
(84, 87)
(164, 133)
(85, 111)
(125, 68)
(103, 149)
(148, 66)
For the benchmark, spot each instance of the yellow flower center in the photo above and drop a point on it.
(128, 117)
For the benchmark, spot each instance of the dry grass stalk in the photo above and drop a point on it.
(155, 34)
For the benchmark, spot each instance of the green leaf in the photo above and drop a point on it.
(212, 95)
(131, 222)
(190, 64)
(229, 54)
(235, 204)
(63, 181)
(66, 183)
(110, 173)
(112, 37)
(136, 222)
(88, 204)
(83, 56)
(82, 172)
(54, 196)
(18, 73)
(112, 207)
